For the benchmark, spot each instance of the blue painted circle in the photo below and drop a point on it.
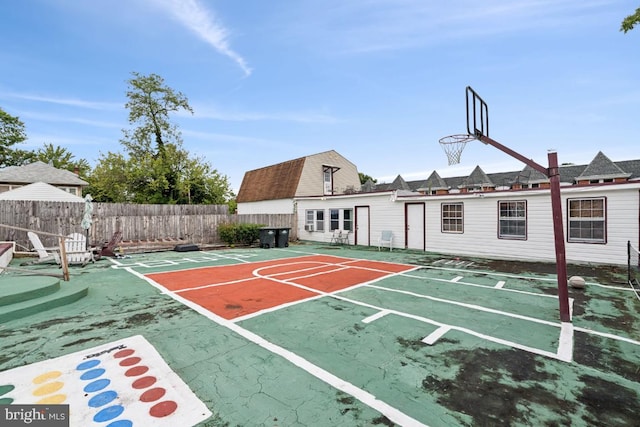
(96, 385)
(121, 423)
(88, 364)
(94, 373)
(108, 414)
(102, 399)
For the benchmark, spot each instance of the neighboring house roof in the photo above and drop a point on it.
(599, 168)
(39, 172)
(368, 186)
(274, 182)
(434, 182)
(40, 191)
(478, 178)
(602, 167)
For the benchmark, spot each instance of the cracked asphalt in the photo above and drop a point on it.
(461, 380)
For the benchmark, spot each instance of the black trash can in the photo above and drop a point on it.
(282, 237)
(267, 237)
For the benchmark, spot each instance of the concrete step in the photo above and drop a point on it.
(23, 288)
(65, 294)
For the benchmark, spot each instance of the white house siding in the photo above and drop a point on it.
(280, 206)
(480, 236)
(384, 215)
(311, 179)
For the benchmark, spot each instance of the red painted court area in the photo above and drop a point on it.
(233, 291)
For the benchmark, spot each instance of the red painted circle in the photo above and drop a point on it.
(130, 361)
(144, 382)
(124, 353)
(136, 371)
(163, 409)
(152, 394)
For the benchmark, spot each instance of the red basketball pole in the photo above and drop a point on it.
(553, 174)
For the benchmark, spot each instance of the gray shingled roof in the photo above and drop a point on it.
(477, 178)
(39, 172)
(602, 167)
(434, 182)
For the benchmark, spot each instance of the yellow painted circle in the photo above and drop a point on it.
(52, 400)
(46, 376)
(48, 388)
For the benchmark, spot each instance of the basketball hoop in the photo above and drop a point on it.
(453, 146)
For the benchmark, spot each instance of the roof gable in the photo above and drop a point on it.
(602, 167)
(477, 178)
(40, 191)
(434, 182)
(40, 172)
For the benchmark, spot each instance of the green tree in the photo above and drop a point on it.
(630, 21)
(109, 180)
(150, 104)
(364, 178)
(12, 132)
(154, 167)
(61, 158)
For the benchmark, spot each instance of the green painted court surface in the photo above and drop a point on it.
(449, 342)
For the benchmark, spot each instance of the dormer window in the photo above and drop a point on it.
(327, 178)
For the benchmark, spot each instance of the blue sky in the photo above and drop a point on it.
(379, 81)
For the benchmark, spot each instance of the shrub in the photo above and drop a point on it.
(233, 234)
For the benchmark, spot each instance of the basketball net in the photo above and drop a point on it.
(453, 146)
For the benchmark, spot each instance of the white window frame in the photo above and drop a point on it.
(587, 220)
(452, 221)
(315, 218)
(510, 214)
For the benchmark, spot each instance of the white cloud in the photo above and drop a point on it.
(65, 101)
(203, 22)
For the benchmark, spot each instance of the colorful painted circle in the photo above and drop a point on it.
(102, 399)
(124, 353)
(144, 382)
(120, 423)
(136, 371)
(6, 388)
(130, 361)
(94, 373)
(152, 394)
(107, 414)
(163, 409)
(87, 365)
(96, 385)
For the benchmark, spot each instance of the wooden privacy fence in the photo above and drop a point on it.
(193, 223)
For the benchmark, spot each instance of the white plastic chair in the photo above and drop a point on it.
(43, 253)
(75, 246)
(386, 239)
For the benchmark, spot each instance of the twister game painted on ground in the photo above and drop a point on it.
(315, 335)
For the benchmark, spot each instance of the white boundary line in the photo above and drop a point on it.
(363, 396)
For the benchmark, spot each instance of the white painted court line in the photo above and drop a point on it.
(436, 335)
(375, 317)
(565, 346)
(500, 284)
(457, 279)
(363, 396)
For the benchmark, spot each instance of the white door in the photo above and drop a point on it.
(415, 225)
(362, 226)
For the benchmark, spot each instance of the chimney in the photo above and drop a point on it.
(76, 170)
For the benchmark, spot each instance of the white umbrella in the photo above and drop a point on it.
(87, 217)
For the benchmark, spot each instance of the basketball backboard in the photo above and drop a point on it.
(477, 114)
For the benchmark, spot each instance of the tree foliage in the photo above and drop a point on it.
(630, 21)
(12, 132)
(155, 168)
(364, 178)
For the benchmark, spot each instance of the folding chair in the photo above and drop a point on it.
(336, 237)
(386, 239)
